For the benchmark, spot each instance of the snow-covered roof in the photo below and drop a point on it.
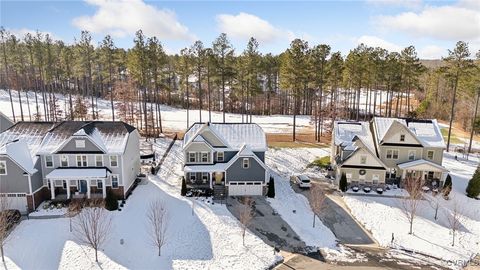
(32, 133)
(19, 153)
(68, 173)
(426, 131)
(235, 135)
(346, 131)
(218, 167)
(110, 137)
(420, 162)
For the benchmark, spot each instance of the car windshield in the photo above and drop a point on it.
(306, 181)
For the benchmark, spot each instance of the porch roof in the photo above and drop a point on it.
(219, 167)
(78, 173)
(422, 165)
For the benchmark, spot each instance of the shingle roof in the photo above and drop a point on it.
(31, 133)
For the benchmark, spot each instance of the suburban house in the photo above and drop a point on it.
(387, 150)
(70, 159)
(226, 158)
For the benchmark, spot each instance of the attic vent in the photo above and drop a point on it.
(80, 143)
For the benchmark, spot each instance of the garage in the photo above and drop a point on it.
(249, 188)
(16, 201)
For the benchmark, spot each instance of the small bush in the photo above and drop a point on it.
(448, 182)
(183, 192)
(271, 188)
(343, 183)
(473, 187)
(111, 202)
(322, 162)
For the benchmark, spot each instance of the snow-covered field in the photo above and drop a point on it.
(208, 239)
(383, 216)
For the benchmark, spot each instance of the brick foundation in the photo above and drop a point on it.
(39, 196)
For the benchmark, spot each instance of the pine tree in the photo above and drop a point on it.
(183, 192)
(473, 187)
(343, 185)
(271, 188)
(448, 182)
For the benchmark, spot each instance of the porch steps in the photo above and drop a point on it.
(219, 192)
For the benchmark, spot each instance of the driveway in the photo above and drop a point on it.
(271, 228)
(340, 222)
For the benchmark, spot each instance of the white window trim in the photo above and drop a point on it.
(4, 162)
(53, 162)
(193, 176)
(192, 154)
(386, 154)
(118, 180)
(61, 161)
(223, 156)
(99, 181)
(81, 160)
(201, 157)
(103, 164)
(110, 158)
(433, 154)
(414, 154)
(403, 137)
(248, 163)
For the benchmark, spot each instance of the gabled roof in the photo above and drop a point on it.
(111, 137)
(421, 162)
(32, 133)
(234, 135)
(426, 131)
(360, 144)
(20, 154)
(346, 131)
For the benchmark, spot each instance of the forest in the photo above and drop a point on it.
(305, 79)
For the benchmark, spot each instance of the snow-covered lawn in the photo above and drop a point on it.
(383, 216)
(209, 239)
(284, 163)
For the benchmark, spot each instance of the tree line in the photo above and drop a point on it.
(305, 79)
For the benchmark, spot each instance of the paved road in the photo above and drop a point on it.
(271, 228)
(340, 222)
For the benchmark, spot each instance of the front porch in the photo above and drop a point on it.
(77, 183)
(432, 174)
(205, 176)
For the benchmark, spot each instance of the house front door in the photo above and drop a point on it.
(83, 186)
(218, 178)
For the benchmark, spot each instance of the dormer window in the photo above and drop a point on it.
(402, 137)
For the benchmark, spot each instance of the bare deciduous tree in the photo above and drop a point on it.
(92, 226)
(435, 203)
(455, 219)
(245, 215)
(74, 207)
(316, 199)
(411, 203)
(157, 217)
(5, 223)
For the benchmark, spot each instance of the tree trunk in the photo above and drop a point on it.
(452, 112)
(473, 125)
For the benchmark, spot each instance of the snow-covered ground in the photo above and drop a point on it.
(383, 216)
(208, 239)
(174, 119)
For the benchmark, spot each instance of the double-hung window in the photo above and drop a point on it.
(100, 184)
(99, 161)
(246, 163)
(205, 157)
(64, 160)
(113, 161)
(220, 156)
(392, 154)
(204, 177)
(430, 154)
(82, 161)
(114, 181)
(411, 155)
(191, 157)
(49, 161)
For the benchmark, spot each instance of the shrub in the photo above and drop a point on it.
(322, 162)
(183, 192)
(448, 182)
(111, 202)
(343, 183)
(473, 187)
(271, 188)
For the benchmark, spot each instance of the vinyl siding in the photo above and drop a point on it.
(237, 173)
(15, 181)
(70, 146)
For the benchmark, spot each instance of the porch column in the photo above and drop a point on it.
(211, 179)
(423, 176)
(104, 189)
(404, 172)
(88, 188)
(68, 189)
(52, 188)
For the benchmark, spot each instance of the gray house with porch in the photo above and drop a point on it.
(66, 160)
(226, 158)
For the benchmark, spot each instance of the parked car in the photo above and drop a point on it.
(303, 181)
(12, 216)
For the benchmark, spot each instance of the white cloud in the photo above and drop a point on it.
(449, 22)
(21, 32)
(244, 26)
(124, 17)
(431, 52)
(374, 41)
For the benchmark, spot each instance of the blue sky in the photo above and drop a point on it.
(432, 27)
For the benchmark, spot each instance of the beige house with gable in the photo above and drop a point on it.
(386, 150)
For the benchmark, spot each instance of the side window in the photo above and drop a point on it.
(113, 161)
(49, 161)
(3, 167)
